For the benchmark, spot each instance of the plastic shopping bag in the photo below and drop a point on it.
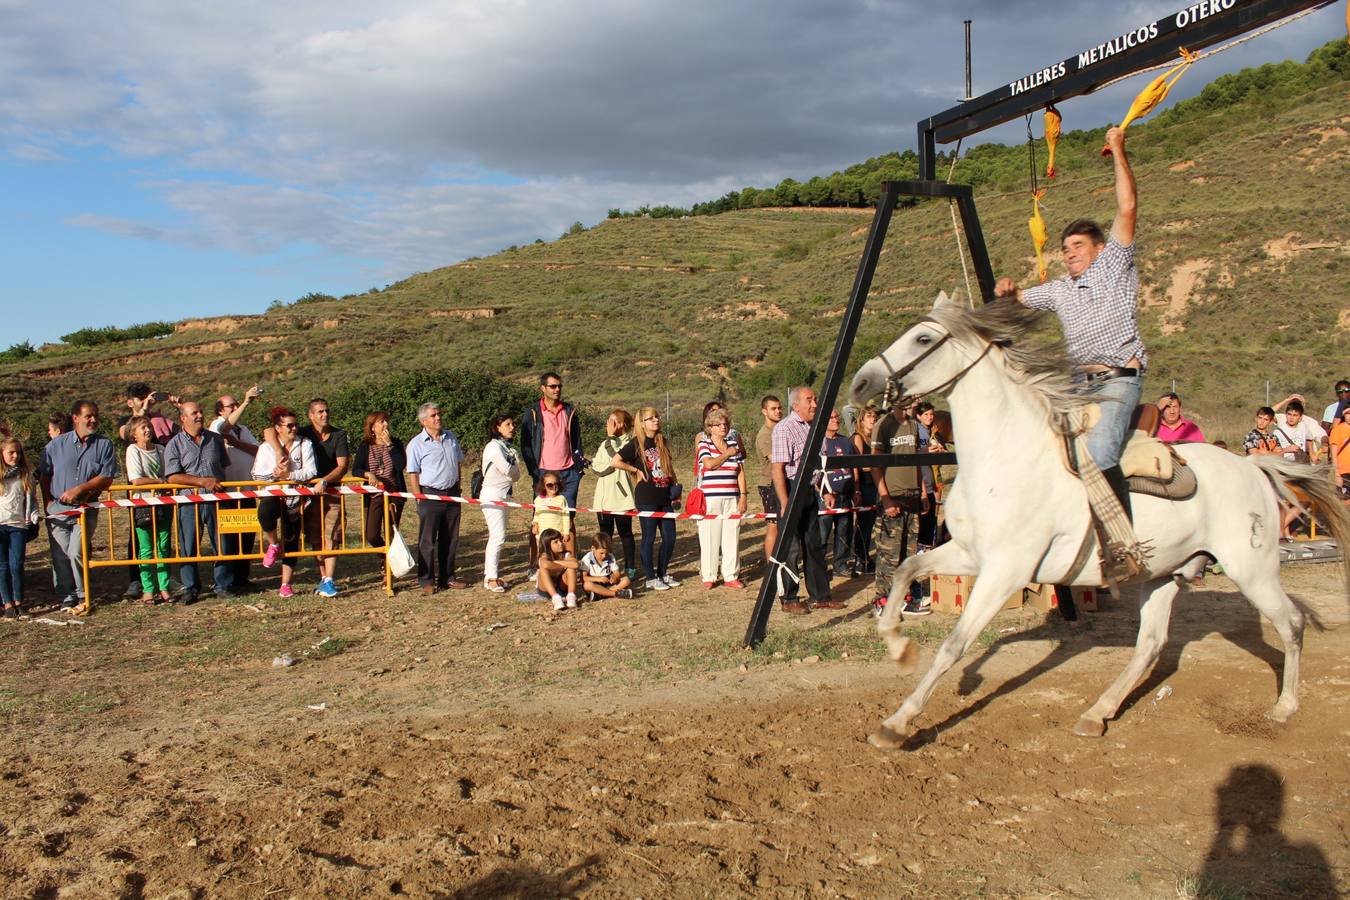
(400, 560)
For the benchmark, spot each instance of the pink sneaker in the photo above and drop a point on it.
(286, 591)
(270, 558)
(735, 584)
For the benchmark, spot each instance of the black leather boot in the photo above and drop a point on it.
(1116, 478)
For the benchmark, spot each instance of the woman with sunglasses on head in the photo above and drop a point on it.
(500, 468)
(647, 457)
(551, 512)
(295, 463)
(557, 566)
(613, 487)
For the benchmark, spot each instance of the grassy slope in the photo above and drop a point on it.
(637, 307)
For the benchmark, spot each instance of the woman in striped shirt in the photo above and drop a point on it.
(722, 478)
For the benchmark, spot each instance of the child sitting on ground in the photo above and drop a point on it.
(557, 567)
(600, 574)
(550, 512)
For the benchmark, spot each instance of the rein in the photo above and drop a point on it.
(895, 376)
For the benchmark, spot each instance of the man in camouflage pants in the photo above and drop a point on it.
(901, 499)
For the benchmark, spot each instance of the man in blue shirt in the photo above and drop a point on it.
(77, 466)
(434, 458)
(196, 457)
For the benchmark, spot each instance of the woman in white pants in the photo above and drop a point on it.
(722, 478)
(501, 468)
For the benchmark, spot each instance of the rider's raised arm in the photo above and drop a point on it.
(1127, 196)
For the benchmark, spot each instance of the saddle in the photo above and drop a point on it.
(1150, 466)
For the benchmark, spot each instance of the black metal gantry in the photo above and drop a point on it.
(1200, 25)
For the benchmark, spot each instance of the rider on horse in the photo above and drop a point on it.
(1097, 304)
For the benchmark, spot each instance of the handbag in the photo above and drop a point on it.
(398, 558)
(696, 504)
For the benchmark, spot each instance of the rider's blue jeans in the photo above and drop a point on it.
(1117, 397)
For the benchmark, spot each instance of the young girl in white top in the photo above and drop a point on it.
(295, 464)
(145, 465)
(20, 510)
(501, 468)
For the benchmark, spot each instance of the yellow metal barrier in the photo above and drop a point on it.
(230, 520)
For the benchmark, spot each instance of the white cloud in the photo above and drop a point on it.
(350, 126)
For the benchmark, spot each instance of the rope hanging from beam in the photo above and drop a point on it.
(956, 229)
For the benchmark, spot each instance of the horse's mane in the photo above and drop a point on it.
(1042, 366)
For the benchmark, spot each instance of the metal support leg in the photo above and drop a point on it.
(834, 376)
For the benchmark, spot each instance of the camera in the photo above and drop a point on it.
(159, 396)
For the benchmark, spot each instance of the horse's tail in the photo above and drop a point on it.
(1313, 481)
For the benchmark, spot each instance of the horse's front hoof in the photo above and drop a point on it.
(1089, 727)
(904, 651)
(886, 738)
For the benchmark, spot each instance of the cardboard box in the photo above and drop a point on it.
(949, 594)
(1042, 597)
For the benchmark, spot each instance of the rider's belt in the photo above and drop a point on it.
(1109, 373)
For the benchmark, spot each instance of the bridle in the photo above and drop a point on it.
(894, 392)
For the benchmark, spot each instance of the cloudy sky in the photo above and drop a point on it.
(161, 160)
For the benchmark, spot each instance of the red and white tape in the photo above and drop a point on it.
(259, 493)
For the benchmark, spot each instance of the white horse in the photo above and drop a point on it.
(1017, 514)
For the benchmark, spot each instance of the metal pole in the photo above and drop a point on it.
(969, 95)
(800, 489)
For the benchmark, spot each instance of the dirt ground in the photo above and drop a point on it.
(472, 745)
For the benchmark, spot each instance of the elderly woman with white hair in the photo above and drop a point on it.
(722, 478)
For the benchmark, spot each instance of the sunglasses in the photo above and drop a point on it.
(551, 485)
(554, 387)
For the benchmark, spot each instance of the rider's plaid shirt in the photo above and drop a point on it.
(1097, 309)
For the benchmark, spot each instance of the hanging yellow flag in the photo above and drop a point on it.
(1036, 224)
(1156, 92)
(1052, 129)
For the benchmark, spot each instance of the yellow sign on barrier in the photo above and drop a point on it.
(238, 521)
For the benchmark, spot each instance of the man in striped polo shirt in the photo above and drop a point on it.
(789, 447)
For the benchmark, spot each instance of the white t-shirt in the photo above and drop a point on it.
(302, 462)
(1299, 435)
(145, 464)
(597, 569)
(238, 465)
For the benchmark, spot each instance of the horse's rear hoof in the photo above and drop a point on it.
(1281, 713)
(886, 738)
(1086, 727)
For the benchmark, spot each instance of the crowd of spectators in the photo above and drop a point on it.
(858, 520)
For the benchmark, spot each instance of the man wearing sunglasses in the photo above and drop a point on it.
(1332, 414)
(550, 438)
